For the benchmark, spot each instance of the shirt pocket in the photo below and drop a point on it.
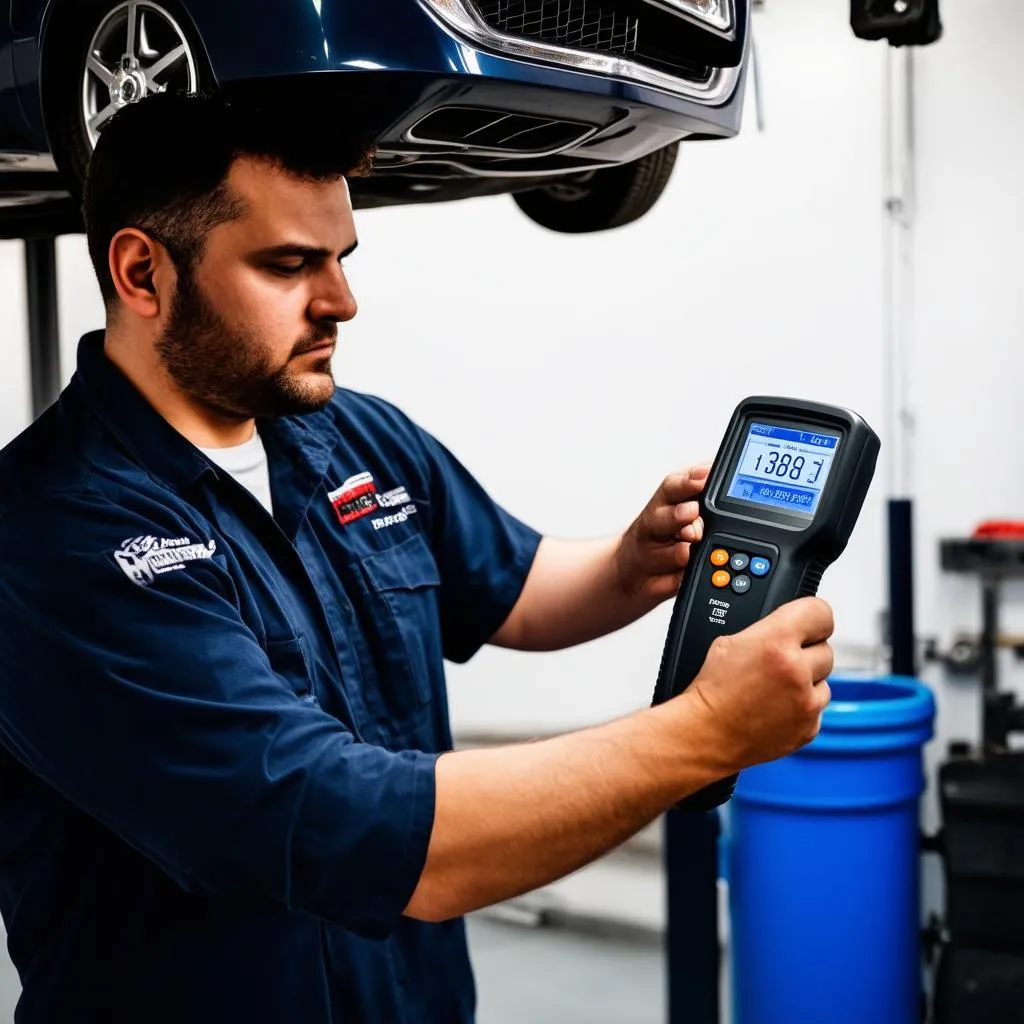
(402, 584)
(289, 658)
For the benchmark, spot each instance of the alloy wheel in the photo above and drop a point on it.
(138, 49)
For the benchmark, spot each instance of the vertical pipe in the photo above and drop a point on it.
(694, 955)
(901, 587)
(43, 333)
(993, 723)
(898, 302)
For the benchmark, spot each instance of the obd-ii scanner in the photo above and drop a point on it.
(779, 505)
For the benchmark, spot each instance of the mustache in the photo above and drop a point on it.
(316, 337)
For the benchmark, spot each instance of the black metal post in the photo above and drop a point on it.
(901, 587)
(993, 723)
(43, 332)
(694, 955)
(989, 632)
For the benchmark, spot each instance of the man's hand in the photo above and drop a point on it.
(762, 691)
(579, 590)
(653, 553)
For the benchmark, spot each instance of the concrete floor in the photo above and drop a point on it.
(555, 976)
(546, 975)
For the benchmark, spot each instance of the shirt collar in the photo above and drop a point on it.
(304, 454)
(140, 429)
(298, 455)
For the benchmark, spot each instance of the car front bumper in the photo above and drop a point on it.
(393, 63)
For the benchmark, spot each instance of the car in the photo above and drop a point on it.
(575, 108)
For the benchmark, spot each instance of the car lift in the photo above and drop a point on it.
(38, 226)
(43, 332)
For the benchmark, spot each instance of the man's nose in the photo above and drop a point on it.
(334, 300)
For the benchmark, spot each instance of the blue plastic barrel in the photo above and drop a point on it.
(824, 866)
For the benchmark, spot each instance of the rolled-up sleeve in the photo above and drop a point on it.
(154, 709)
(484, 553)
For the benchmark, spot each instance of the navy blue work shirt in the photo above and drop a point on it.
(218, 727)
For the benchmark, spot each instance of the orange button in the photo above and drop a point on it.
(721, 578)
(719, 557)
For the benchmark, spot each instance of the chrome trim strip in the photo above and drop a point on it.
(460, 17)
(586, 132)
(416, 170)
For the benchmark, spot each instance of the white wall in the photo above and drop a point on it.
(572, 373)
(969, 320)
(15, 391)
(969, 317)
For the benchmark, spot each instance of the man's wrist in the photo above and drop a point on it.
(628, 578)
(703, 747)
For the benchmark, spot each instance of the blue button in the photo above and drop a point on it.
(760, 566)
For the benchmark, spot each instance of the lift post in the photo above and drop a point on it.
(43, 327)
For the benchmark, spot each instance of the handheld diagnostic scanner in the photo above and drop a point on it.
(779, 505)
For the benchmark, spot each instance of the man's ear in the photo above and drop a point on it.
(142, 271)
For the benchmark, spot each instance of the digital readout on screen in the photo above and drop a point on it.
(783, 467)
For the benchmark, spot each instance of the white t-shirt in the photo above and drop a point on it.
(247, 463)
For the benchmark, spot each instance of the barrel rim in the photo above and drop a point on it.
(915, 707)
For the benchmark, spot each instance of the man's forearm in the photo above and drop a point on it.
(573, 594)
(511, 819)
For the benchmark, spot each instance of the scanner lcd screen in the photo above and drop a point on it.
(783, 467)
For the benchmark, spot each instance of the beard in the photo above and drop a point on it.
(230, 370)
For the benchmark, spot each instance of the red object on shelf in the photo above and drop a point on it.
(1000, 529)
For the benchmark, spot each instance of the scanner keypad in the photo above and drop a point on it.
(741, 564)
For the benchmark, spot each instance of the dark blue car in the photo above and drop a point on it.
(575, 107)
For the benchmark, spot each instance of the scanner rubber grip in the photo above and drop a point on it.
(710, 797)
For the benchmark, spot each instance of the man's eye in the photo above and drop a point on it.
(287, 269)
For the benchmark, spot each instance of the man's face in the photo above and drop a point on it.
(252, 327)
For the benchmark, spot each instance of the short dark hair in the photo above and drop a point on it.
(161, 165)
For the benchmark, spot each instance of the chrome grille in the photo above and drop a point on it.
(594, 26)
(574, 23)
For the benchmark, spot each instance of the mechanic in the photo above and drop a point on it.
(227, 790)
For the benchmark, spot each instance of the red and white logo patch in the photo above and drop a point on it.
(355, 498)
(358, 497)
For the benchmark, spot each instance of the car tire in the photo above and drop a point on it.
(603, 199)
(72, 86)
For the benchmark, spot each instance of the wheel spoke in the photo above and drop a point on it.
(165, 63)
(98, 120)
(144, 49)
(133, 25)
(100, 70)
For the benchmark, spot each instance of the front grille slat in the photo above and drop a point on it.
(577, 24)
(608, 27)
